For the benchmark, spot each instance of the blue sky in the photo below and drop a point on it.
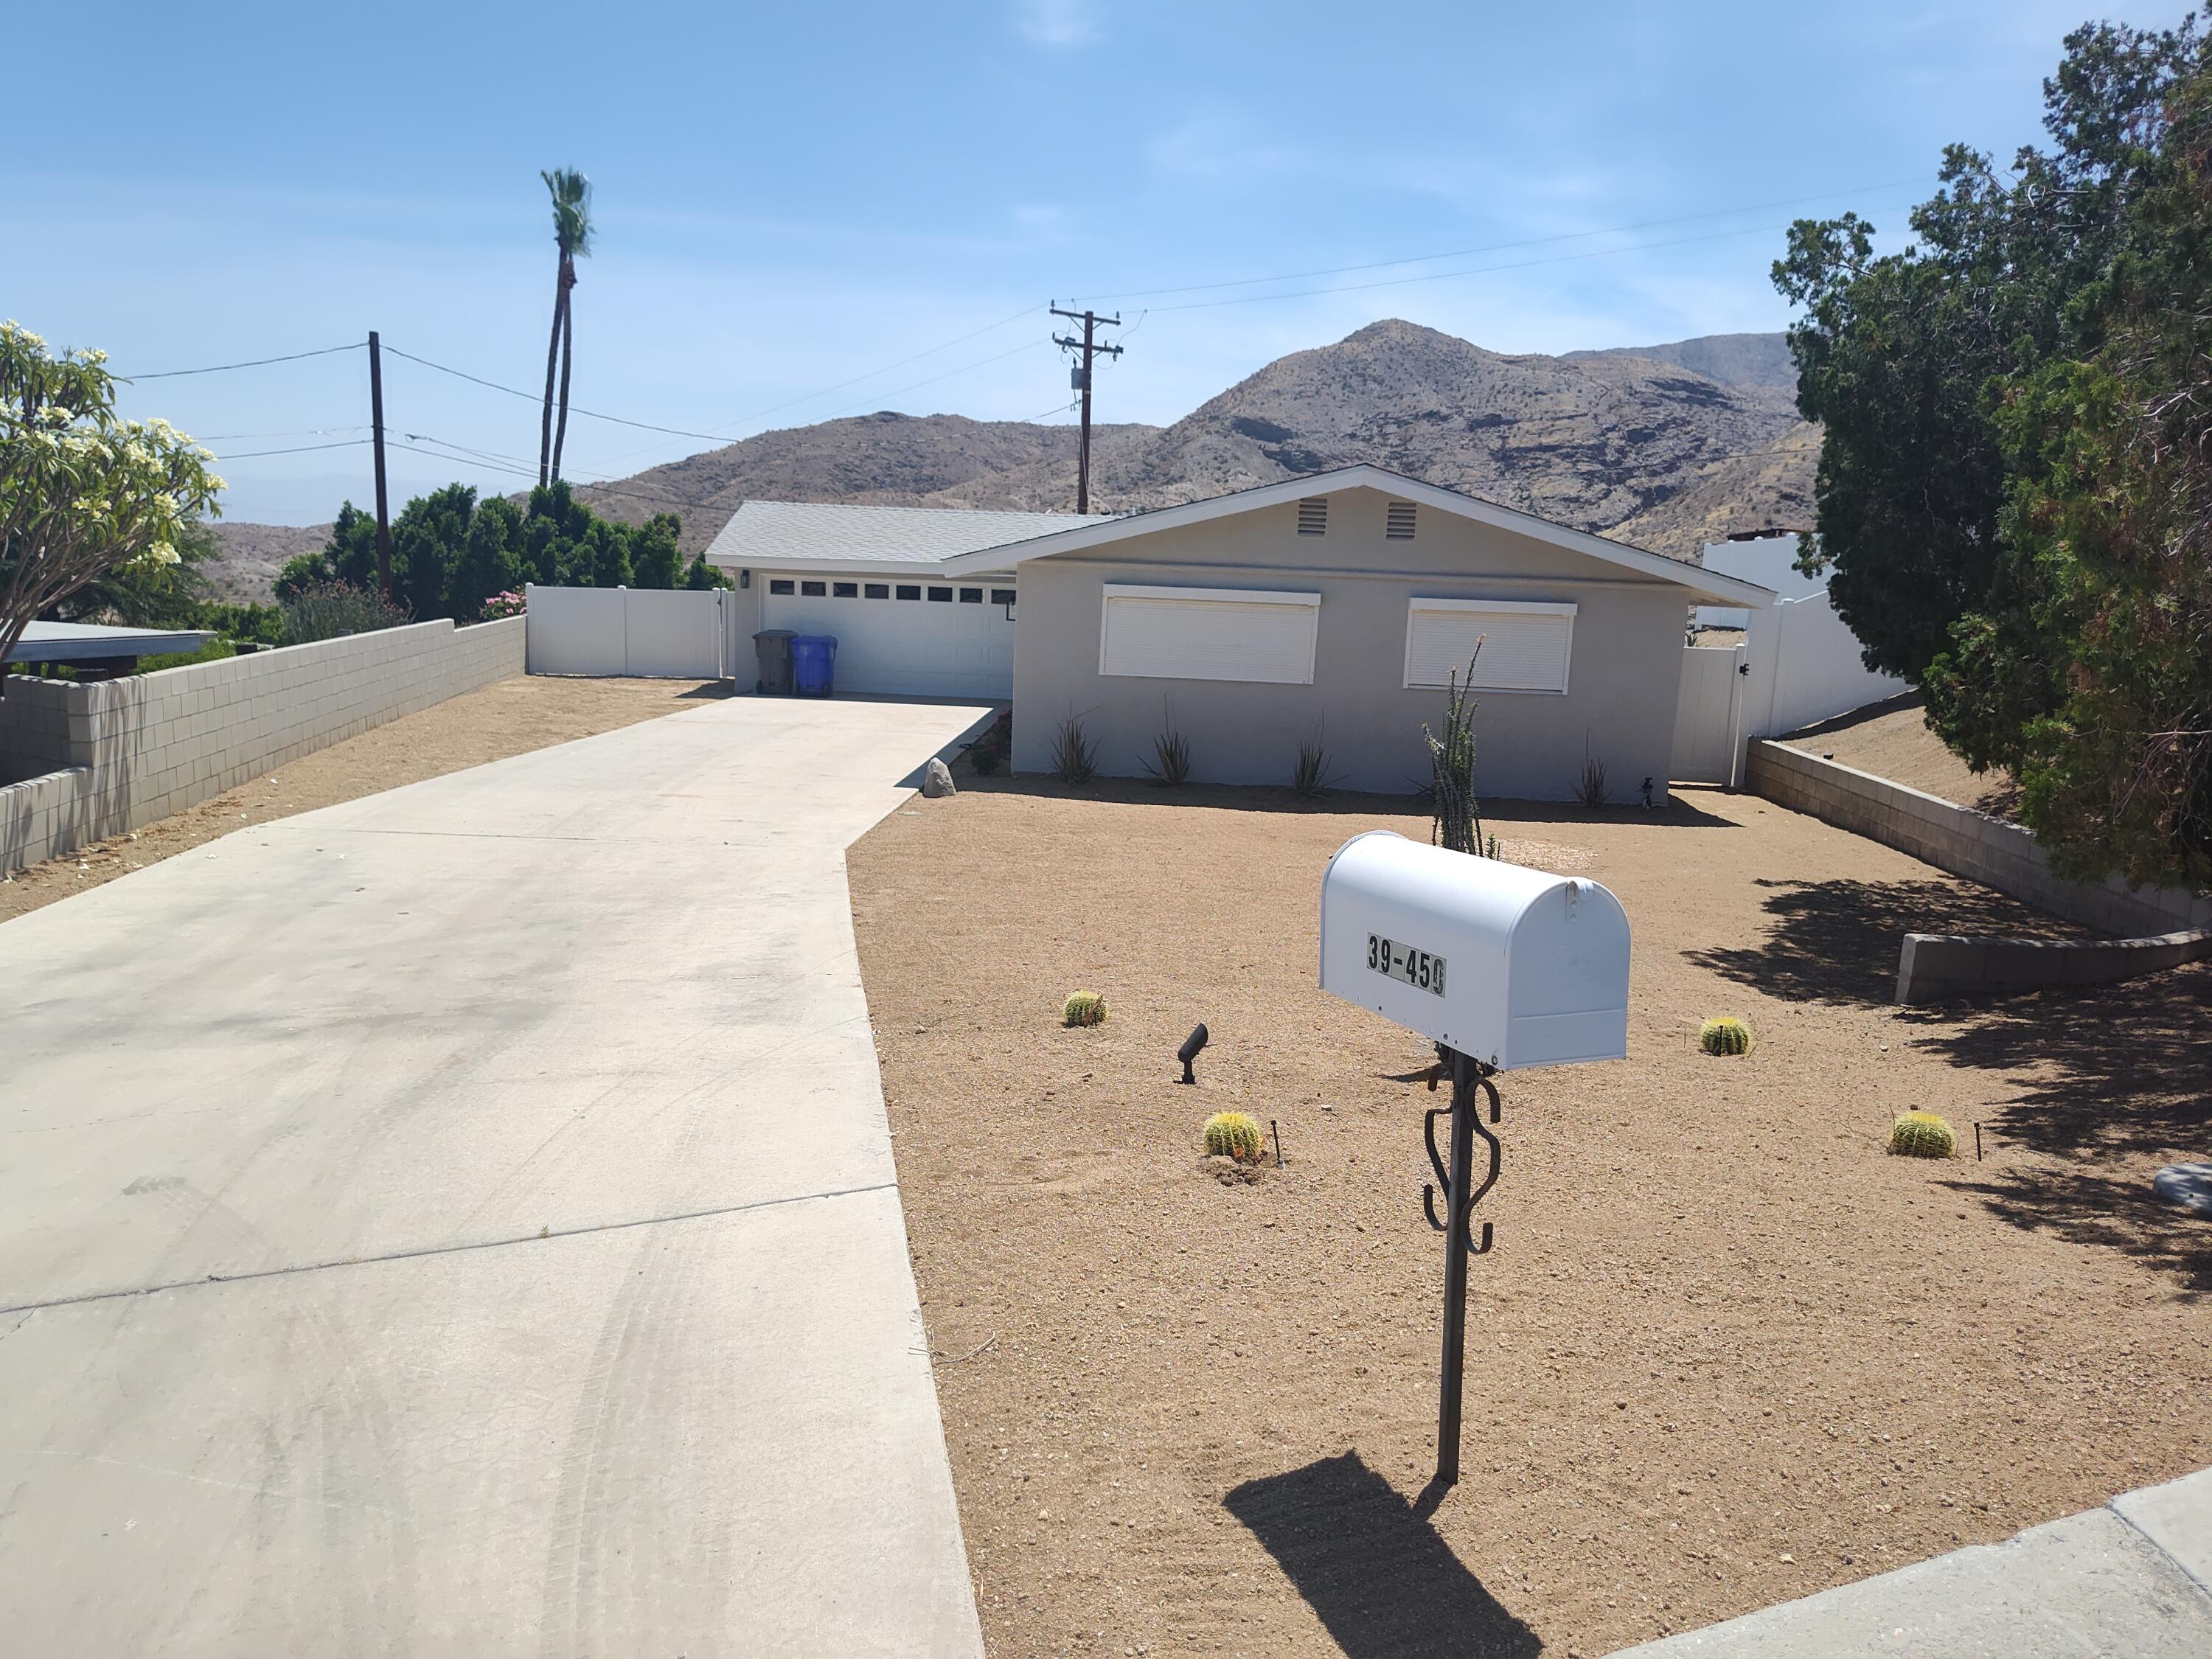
(791, 198)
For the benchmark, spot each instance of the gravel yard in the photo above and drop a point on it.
(512, 717)
(1726, 1351)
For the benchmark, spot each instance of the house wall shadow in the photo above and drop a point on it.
(1380, 1579)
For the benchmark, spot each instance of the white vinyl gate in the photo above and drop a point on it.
(1708, 718)
(647, 633)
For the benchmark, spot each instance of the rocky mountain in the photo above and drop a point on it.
(1667, 446)
(1759, 362)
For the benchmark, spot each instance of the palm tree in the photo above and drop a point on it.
(572, 233)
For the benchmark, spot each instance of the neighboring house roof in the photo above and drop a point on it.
(1707, 584)
(53, 641)
(812, 535)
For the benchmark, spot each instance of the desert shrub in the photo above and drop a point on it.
(1922, 1134)
(992, 750)
(1726, 1036)
(1172, 750)
(330, 611)
(1309, 777)
(1590, 788)
(1234, 1135)
(1084, 1008)
(1074, 755)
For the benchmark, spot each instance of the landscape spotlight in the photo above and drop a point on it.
(1189, 1052)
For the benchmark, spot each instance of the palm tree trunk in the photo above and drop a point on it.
(552, 355)
(568, 359)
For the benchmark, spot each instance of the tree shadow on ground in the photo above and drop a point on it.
(1838, 941)
(1376, 1573)
(2106, 1083)
(2099, 1084)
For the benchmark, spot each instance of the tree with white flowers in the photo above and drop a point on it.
(83, 492)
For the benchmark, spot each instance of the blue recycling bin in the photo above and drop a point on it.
(814, 664)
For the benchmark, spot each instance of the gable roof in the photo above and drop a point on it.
(816, 535)
(1708, 585)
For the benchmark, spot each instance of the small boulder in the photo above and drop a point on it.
(937, 781)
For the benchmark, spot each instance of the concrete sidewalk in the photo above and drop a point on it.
(2133, 1578)
(462, 1221)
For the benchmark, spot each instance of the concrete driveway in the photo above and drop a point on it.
(462, 1221)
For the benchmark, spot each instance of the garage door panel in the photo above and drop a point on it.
(906, 647)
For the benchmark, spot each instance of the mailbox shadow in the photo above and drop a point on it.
(1376, 1573)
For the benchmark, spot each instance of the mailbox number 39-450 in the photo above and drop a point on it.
(1402, 962)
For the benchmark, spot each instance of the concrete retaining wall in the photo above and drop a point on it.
(104, 758)
(1963, 842)
(1935, 967)
(2164, 926)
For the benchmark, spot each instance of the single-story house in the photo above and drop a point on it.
(875, 578)
(1328, 608)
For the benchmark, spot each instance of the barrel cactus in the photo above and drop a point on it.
(1234, 1135)
(1922, 1134)
(1726, 1036)
(1084, 1008)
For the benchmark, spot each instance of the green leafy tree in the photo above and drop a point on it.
(2111, 514)
(700, 577)
(83, 493)
(149, 594)
(490, 560)
(655, 560)
(2001, 497)
(572, 235)
(1897, 356)
(607, 546)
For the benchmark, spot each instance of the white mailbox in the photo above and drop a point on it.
(1512, 967)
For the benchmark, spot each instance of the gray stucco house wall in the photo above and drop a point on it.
(1623, 671)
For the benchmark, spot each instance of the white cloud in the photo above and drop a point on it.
(1056, 22)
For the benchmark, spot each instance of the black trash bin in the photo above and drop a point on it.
(773, 647)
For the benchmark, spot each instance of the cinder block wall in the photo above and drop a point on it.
(104, 758)
(1963, 842)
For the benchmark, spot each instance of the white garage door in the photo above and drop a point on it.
(903, 636)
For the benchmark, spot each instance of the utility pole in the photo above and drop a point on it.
(1089, 348)
(376, 425)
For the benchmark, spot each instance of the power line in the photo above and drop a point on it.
(1499, 248)
(302, 449)
(1479, 270)
(301, 432)
(256, 363)
(988, 328)
(573, 409)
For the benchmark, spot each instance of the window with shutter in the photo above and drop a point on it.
(1526, 645)
(1208, 634)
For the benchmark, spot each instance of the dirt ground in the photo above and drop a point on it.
(1725, 1352)
(512, 717)
(1892, 740)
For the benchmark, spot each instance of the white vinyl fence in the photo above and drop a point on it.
(1710, 714)
(645, 633)
(1798, 664)
(1806, 666)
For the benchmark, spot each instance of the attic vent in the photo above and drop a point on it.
(1313, 516)
(1398, 523)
